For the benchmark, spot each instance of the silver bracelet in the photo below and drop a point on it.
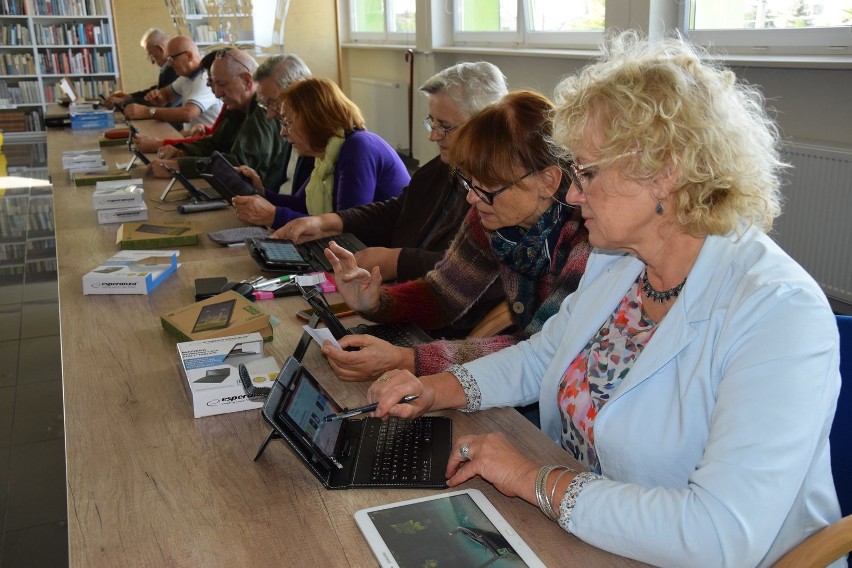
(541, 491)
(565, 469)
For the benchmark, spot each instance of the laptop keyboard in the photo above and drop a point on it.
(317, 246)
(393, 334)
(403, 449)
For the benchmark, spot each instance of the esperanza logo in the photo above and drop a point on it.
(113, 284)
(227, 400)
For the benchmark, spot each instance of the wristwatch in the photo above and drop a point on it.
(152, 112)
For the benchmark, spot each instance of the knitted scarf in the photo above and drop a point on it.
(319, 192)
(528, 252)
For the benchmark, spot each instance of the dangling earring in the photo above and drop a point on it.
(659, 208)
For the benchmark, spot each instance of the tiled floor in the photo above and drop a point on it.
(33, 519)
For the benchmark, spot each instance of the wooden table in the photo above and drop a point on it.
(149, 485)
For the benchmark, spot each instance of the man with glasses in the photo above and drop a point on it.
(244, 133)
(273, 75)
(154, 42)
(407, 235)
(200, 105)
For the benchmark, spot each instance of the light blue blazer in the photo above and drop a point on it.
(715, 445)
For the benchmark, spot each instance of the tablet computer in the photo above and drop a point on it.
(222, 176)
(460, 529)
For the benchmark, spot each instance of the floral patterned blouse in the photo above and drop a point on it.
(597, 371)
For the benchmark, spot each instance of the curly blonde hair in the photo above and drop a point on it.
(673, 106)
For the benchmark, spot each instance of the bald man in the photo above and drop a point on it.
(155, 43)
(244, 131)
(200, 105)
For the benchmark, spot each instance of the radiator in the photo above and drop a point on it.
(385, 109)
(816, 225)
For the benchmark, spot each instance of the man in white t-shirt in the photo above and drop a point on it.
(200, 105)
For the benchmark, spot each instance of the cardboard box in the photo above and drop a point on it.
(123, 215)
(131, 272)
(92, 177)
(158, 235)
(228, 313)
(105, 142)
(210, 372)
(116, 184)
(97, 119)
(80, 160)
(122, 197)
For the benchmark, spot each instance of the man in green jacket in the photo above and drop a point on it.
(244, 132)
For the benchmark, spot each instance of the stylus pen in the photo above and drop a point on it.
(365, 409)
(272, 281)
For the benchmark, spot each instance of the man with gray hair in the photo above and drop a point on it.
(407, 235)
(243, 133)
(275, 74)
(154, 42)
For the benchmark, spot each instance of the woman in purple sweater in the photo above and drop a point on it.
(351, 165)
(518, 228)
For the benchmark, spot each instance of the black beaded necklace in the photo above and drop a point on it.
(660, 296)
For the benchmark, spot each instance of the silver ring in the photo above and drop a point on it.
(463, 452)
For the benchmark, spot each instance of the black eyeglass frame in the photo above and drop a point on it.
(170, 59)
(488, 196)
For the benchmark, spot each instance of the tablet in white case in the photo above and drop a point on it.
(459, 529)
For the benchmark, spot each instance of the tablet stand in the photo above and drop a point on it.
(132, 163)
(169, 187)
(298, 354)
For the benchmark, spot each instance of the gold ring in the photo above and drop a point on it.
(383, 378)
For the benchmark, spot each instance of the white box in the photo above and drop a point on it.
(121, 197)
(82, 160)
(131, 272)
(135, 213)
(210, 371)
(117, 183)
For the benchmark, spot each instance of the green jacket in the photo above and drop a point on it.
(252, 140)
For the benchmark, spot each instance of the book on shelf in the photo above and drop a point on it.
(162, 234)
(131, 272)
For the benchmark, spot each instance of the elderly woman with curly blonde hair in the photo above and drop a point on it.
(694, 372)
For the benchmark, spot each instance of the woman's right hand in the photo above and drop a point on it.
(252, 176)
(300, 229)
(360, 288)
(391, 387)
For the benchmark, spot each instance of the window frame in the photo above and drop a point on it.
(794, 42)
(523, 36)
(385, 37)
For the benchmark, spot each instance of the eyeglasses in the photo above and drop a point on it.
(487, 196)
(440, 131)
(223, 53)
(581, 179)
(285, 123)
(171, 58)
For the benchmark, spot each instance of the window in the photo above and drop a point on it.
(779, 26)
(567, 23)
(386, 20)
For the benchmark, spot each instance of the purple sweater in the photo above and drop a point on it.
(367, 170)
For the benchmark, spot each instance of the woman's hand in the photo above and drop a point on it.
(493, 458)
(254, 209)
(359, 288)
(252, 176)
(374, 357)
(300, 230)
(157, 170)
(385, 258)
(391, 387)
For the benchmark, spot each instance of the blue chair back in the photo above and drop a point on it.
(841, 429)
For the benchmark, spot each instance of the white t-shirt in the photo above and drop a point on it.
(194, 90)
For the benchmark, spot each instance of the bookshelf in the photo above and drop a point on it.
(217, 22)
(43, 41)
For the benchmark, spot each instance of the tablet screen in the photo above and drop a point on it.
(454, 529)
